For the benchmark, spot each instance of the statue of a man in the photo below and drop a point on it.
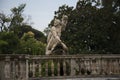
(54, 35)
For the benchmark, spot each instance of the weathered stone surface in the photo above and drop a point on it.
(88, 67)
(89, 78)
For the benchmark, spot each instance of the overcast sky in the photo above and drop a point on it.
(41, 12)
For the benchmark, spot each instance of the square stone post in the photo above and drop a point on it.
(7, 68)
(27, 67)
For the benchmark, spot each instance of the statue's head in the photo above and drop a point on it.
(56, 22)
(64, 17)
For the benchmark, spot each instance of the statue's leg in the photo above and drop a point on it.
(53, 47)
(48, 52)
(64, 47)
(48, 49)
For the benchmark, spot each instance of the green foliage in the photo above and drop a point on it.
(91, 29)
(8, 42)
(29, 45)
(17, 19)
(14, 37)
(3, 22)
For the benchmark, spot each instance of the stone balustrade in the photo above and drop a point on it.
(24, 67)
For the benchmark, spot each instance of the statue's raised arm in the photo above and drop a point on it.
(64, 22)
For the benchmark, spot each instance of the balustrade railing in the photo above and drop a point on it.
(23, 67)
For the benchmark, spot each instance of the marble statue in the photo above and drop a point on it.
(54, 35)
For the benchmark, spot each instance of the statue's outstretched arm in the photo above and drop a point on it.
(64, 22)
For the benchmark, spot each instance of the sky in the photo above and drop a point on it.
(40, 12)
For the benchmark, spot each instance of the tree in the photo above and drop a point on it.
(3, 20)
(12, 30)
(8, 42)
(17, 19)
(91, 29)
(29, 45)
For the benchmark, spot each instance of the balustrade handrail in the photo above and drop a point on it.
(72, 56)
(60, 56)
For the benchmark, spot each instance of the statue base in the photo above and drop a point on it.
(59, 51)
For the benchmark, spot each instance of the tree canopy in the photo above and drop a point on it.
(14, 29)
(93, 26)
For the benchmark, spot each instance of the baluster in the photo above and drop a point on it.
(97, 66)
(21, 68)
(110, 63)
(52, 68)
(27, 68)
(75, 65)
(113, 66)
(64, 67)
(85, 66)
(105, 66)
(46, 69)
(68, 69)
(94, 66)
(7, 67)
(16, 69)
(117, 62)
(79, 65)
(88, 67)
(102, 66)
(118, 66)
(40, 69)
(58, 68)
(82, 66)
(13, 69)
(30, 67)
(33, 68)
(108, 70)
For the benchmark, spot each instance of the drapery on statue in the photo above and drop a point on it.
(54, 35)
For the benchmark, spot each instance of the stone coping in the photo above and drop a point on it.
(82, 56)
(81, 77)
